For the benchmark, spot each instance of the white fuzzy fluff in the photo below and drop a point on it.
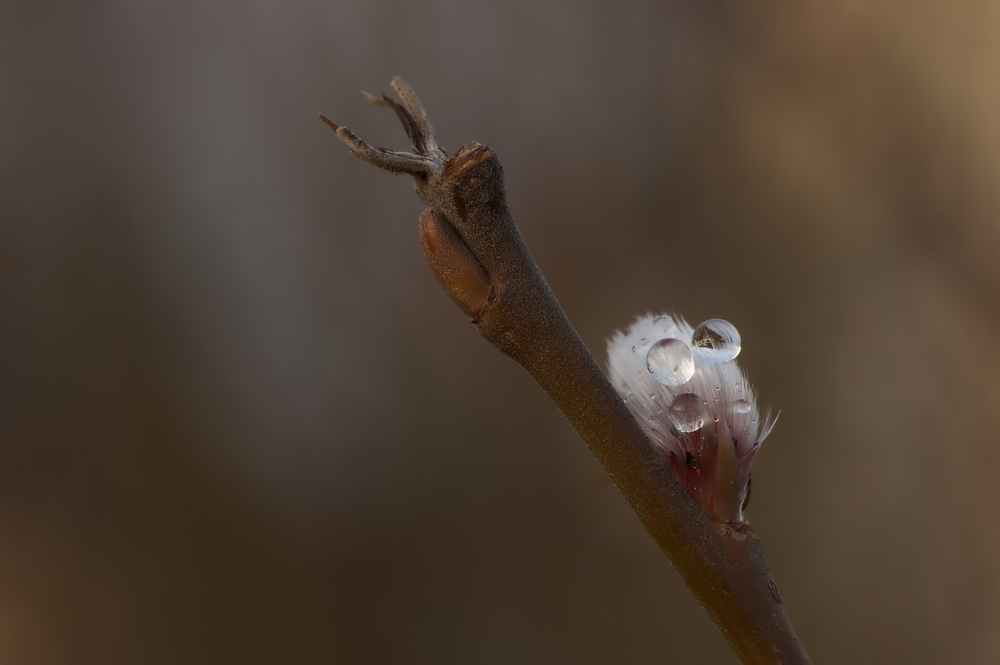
(719, 386)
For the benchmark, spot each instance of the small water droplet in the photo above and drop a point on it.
(717, 341)
(741, 406)
(670, 361)
(687, 412)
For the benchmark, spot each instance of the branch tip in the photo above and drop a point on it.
(476, 252)
(334, 126)
(426, 158)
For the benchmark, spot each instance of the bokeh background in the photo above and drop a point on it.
(239, 421)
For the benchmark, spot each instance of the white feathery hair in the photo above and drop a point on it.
(720, 386)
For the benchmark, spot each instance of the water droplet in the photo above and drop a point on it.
(687, 412)
(741, 406)
(717, 341)
(670, 361)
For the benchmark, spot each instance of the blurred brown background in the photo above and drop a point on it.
(239, 421)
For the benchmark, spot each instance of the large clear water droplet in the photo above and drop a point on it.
(717, 341)
(741, 406)
(687, 412)
(670, 361)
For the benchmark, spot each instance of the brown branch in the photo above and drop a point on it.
(480, 259)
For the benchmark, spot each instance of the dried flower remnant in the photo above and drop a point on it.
(695, 404)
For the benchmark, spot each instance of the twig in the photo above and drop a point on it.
(481, 261)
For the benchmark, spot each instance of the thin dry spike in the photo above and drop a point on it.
(416, 109)
(413, 130)
(390, 160)
(334, 126)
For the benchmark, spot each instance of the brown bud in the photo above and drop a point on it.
(456, 268)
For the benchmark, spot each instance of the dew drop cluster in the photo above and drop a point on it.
(673, 362)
